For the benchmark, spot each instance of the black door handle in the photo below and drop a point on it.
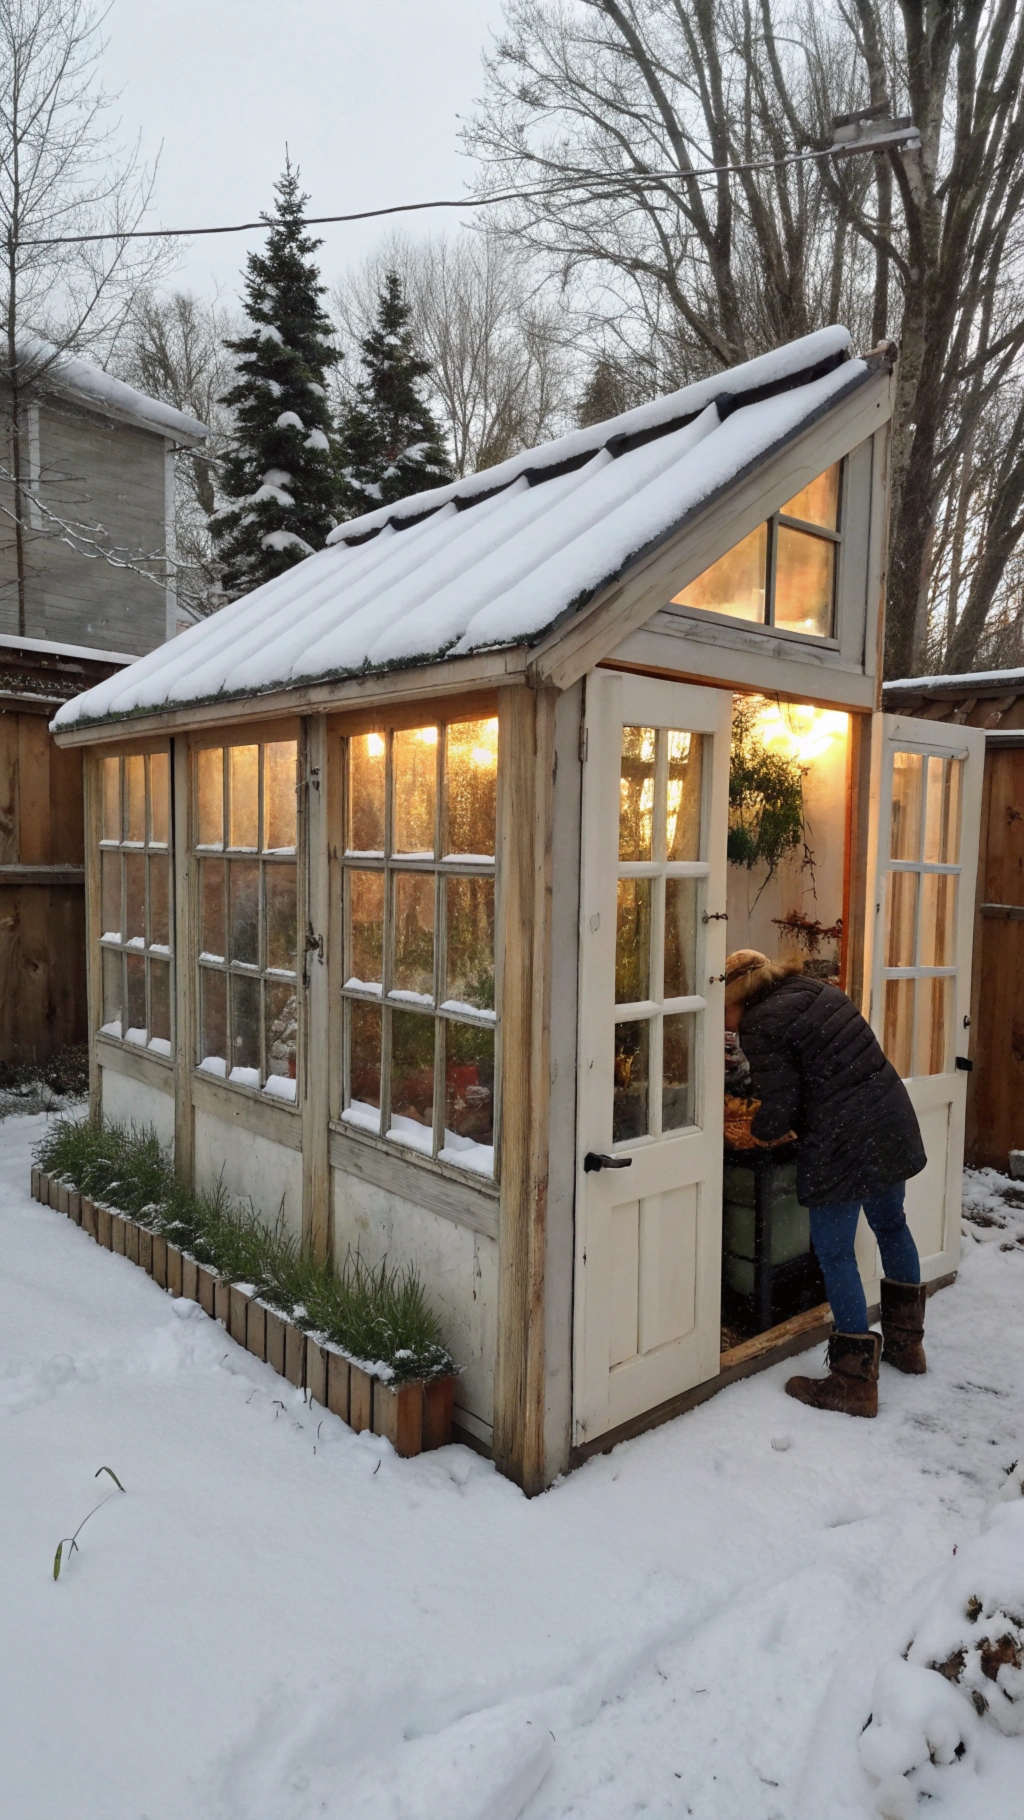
(593, 1160)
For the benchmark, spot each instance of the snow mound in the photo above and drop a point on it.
(962, 1674)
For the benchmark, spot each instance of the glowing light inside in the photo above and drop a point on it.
(796, 731)
(375, 745)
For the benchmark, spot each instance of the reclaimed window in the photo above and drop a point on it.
(135, 899)
(783, 574)
(244, 840)
(921, 890)
(418, 917)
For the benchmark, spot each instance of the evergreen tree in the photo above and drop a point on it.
(390, 443)
(279, 474)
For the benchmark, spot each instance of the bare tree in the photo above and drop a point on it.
(61, 176)
(605, 95)
(500, 375)
(172, 348)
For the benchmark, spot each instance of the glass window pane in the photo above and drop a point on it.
(735, 584)
(159, 1001)
(159, 900)
(942, 816)
(636, 793)
(134, 897)
(159, 798)
(111, 799)
(282, 1011)
(469, 967)
(415, 790)
(110, 891)
(135, 998)
(280, 773)
(243, 796)
(210, 794)
(817, 503)
(678, 1072)
(211, 902)
(630, 1093)
(112, 991)
(365, 892)
(364, 1057)
(681, 896)
(683, 795)
(245, 1030)
(900, 916)
(938, 918)
(804, 582)
(412, 1080)
(413, 967)
(213, 1018)
(633, 941)
(243, 911)
(367, 760)
(898, 1027)
(934, 1025)
(135, 798)
(472, 780)
(281, 916)
(469, 1096)
(907, 784)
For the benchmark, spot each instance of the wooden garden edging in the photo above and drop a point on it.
(415, 1417)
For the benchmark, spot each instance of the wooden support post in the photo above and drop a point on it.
(314, 1000)
(525, 794)
(186, 947)
(92, 786)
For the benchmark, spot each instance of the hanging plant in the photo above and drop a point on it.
(766, 798)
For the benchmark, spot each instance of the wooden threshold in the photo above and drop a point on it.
(804, 1330)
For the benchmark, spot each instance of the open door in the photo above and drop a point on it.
(649, 1136)
(926, 802)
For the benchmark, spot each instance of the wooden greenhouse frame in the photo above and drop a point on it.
(515, 1263)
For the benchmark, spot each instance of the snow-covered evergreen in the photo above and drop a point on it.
(279, 475)
(390, 442)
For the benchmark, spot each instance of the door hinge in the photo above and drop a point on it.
(315, 944)
(715, 916)
(584, 744)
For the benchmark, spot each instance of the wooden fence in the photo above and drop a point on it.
(995, 1100)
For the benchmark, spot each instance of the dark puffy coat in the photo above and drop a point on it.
(818, 1070)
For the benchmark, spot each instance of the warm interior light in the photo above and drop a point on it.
(375, 745)
(797, 731)
(427, 736)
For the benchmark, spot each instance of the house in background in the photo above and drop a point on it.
(99, 590)
(994, 702)
(411, 881)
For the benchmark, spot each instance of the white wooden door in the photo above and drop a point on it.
(649, 1128)
(926, 805)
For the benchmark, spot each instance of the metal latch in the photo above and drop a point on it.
(964, 1063)
(593, 1161)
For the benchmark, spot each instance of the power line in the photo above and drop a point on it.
(610, 185)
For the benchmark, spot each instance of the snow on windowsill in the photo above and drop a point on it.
(245, 1077)
(410, 1134)
(407, 997)
(214, 1064)
(373, 987)
(281, 1087)
(112, 1029)
(463, 1009)
(136, 1036)
(160, 1045)
(362, 1116)
(464, 1153)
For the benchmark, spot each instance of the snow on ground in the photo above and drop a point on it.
(282, 1620)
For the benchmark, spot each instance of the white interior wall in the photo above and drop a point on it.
(815, 891)
(459, 1270)
(127, 1101)
(251, 1168)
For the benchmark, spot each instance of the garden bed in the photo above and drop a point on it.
(399, 1385)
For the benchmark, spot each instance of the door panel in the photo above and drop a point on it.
(926, 801)
(652, 947)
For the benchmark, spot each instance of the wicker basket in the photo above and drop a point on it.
(738, 1135)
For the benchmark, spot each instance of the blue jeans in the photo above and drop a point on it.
(833, 1228)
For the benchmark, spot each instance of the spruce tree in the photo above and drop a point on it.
(279, 474)
(390, 443)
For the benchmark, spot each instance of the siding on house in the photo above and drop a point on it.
(107, 481)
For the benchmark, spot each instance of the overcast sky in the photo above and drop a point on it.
(365, 92)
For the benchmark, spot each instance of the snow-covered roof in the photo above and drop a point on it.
(77, 377)
(50, 647)
(976, 679)
(495, 560)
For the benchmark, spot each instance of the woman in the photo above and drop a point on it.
(817, 1070)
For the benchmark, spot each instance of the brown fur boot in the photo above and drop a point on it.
(852, 1383)
(903, 1325)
